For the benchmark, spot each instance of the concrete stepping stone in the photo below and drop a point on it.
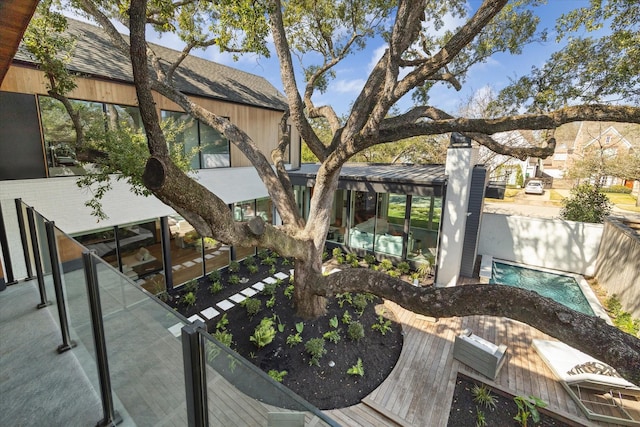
(210, 313)
(237, 298)
(269, 280)
(188, 264)
(225, 305)
(249, 292)
(280, 275)
(195, 317)
(258, 286)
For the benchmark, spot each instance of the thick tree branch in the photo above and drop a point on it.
(287, 74)
(586, 333)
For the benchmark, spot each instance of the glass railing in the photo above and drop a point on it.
(145, 355)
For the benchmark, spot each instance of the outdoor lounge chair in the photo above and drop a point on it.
(479, 354)
(595, 387)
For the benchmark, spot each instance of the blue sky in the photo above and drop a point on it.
(352, 72)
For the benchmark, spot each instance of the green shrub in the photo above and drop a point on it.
(234, 266)
(253, 269)
(383, 326)
(333, 336)
(249, 261)
(370, 259)
(269, 289)
(315, 348)
(346, 317)
(386, 265)
(585, 204)
(189, 298)
(355, 331)
(271, 261)
(482, 396)
(263, 253)
(271, 302)
(294, 339)
(264, 333)
(403, 267)
(222, 323)
(216, 287)
(617, 189)
(277, 375)
(191, 286)
(344, 297)
(288, 291)
(621, 318)
(215, 275)
(356, 369)
(252, 305)
(359, 303)
(394, 273)
(234, 279)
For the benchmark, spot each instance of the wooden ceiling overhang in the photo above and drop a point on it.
(14, 19)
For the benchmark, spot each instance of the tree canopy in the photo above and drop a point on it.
(594, 77)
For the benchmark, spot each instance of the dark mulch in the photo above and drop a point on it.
(327, 386)
(464, 410)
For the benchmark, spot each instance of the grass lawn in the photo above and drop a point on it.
(624, 201)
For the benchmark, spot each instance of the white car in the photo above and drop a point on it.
(534, 187)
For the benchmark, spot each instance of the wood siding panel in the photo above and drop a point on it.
(260, 124)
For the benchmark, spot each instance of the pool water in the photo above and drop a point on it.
(560, 288)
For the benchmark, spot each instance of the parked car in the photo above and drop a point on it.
(534, 187)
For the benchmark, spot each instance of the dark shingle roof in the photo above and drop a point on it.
(95, 55)
(383, 173)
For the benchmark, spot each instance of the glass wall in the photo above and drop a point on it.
(337, 228)
(60, 135)
(424, 226)
(141, 254)
(205, 146)
(363, 220)
(244, 211)
(390, 224)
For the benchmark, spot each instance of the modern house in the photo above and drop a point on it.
(401, 212)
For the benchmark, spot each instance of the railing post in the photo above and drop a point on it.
(166, 253)
(23, 239)
(111, 417)
(195, 377)
(35, 247)
(67, 343)
(4, 245)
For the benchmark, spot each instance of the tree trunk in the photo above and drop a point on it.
(307, 303)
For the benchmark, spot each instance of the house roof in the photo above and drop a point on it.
(95, 55)
(382, 178)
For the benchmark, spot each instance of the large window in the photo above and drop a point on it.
(338, 225)
(206, 147)
(425, 223)
(60, 138)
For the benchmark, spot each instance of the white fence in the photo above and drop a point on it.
(550, 243)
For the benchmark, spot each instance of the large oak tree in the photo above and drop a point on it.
(577, 83)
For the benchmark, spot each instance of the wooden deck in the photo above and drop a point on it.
(420, 388)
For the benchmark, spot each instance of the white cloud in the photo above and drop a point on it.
(375, 56)
(348, 86)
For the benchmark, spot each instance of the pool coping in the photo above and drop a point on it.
(588, 293)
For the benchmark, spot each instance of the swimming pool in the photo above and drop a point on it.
(570, 290)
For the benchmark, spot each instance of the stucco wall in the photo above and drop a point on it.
(618, 266)
(550, 243)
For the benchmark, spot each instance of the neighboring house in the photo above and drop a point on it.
(577, 140)
(508, 169)
(389, 210)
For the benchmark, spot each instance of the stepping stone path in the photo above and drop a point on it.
(227, 304)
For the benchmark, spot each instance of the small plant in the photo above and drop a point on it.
(333, 336)
(528, 407)
(333, 322)
(249, 261)
(386, 265)
(253, 269)
(359, 303)
(355, 331)
(352, 259)
(271, 261)
(191, 286)
(277, 375)
(279, 282)
(345, 297)
(336, 252)
(299, 327)
(234, 279)
(271, 302)
(263, 253)
(224, 337)
(370, 259)
(294, 339)
(163, 296)
(356, 369)
(325, 255)
(394, 273)
(315, 348)
(189, 298)
(264, 333)
(280, 324)
(346, 318)
(480, 418)
(234, 266)
(214, 276)
(252, 305)
(383, 326)
(272, 269)
(288, 291)
(424, 269)
(286, 261)
(403, 267)
(222, 323)
(216, 287)
(622, 319)
(269, 289)
(482, 395)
